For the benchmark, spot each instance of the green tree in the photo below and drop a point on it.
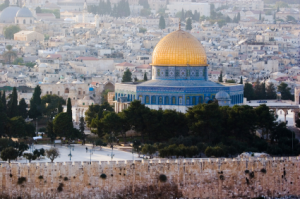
(50, 132)
(238, 18)
(188, 25)
(162, 23)
(182, 15)
(127, 76)
(62, 125)
(290, 18)
(96, 111)
(285, 91)
(9, 154)
(145, 77)
(241, 80)
(266, 119)
(220, 79)
(144, 3)
(281, 4)
(3, 99)
(260, 16)
(18, 61)
(22, 108)
(59, 108)
(9, 55)
(271, 91)
(249, 91)
(38, 9)
(134, 115)
(51, 104)
(3, 120)
(29, 156)
(9, 31)
(149, 149)
(142, 30)
(81, 129)
(4, 5)
(13, 104)
(145, 12)
(52, 154)
(202, 120)
(69, 108)
(35, 103)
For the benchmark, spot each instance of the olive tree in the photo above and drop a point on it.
(52, 153)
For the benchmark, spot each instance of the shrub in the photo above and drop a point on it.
(162, 178)
(222, 177)
(10, 175)
(21, 180)
(40, 177)
(216, 151)
(60, 187)
(246, 171)
(263, 170)
(66, 178)
(251, 175)
(103, 176)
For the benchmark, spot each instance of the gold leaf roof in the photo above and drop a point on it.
(179, 48)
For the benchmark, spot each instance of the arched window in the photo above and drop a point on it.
(17, 21)
(180, 100)
(67, 90)
(173, 100)
(140, 97)
(30, 21)
(187, 100)
(147, 101)
(24, 21)
(167, 100)
(153, 100)
(160, 100)
(194, 101)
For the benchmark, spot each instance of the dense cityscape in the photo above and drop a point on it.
(149, 99)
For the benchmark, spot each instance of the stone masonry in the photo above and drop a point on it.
(186, 178)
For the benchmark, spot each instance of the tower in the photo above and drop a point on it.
(85, 11)
(97, 21)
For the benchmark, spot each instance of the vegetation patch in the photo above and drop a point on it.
(60, 187)
(222, 177)
(103, 176)
(21, 180)
(66, 178)
(263, 170)
(40, 177)
(162, 178)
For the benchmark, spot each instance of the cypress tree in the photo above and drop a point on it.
(238, 18)
(162, 23)
(3, 99)
(241, 80)
(13, 104)
(182, 15)
(22, 108)
(127, 76)
(108, 7)
(145, 77)
(35, 103)
(69, 107)
(188, 25)
(59, 108)
(221, 77)
(260, 16)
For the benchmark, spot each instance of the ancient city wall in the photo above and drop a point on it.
(189, 178)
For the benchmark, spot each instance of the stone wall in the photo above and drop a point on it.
(188, 178)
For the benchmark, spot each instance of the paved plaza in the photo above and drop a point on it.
(79, 154)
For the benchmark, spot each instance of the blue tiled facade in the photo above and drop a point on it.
(178, 86)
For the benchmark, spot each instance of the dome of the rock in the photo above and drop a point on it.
(179, 48)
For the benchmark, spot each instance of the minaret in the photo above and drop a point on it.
(97, 21)
(85, 11)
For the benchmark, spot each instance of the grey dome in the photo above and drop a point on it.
(24, 12)
(8, 14)
(222, 95)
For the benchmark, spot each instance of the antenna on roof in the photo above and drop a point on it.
(179, 28)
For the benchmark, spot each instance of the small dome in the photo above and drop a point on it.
(8, 14)
(24, 12)
(91, 89)
(222, 95)
(43, 65)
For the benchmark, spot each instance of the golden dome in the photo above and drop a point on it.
(179, 48)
